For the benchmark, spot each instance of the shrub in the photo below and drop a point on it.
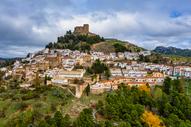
(2, 114)
(21, 106)
(30, 95)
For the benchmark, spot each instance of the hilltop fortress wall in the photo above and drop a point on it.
(83, 30)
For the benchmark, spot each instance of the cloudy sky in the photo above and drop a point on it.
(28, 25)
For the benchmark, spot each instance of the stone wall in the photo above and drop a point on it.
(82, 29)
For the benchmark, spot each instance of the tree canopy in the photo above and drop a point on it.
(75, 42)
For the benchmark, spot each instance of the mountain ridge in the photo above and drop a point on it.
(173, 51)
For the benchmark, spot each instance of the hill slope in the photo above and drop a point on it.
(115, 46)
(95, 43)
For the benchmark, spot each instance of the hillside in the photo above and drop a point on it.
(115, 46)
(49, 106)
(22, 107)
(95, 43)
(173, 51)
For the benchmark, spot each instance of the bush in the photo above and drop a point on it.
(119, 47)
(38, 105)
(2, 114)
(30, 95)
(21, 106)
(71, 41)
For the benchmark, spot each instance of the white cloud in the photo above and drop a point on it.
(18, 51)
(147, 28)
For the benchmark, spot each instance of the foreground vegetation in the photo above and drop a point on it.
(23, 107)
(40, 105)
(48, 106)
(166, 105)
(137, 107)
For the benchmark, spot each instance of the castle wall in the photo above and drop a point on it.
(81, 29)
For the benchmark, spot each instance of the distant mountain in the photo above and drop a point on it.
(7, 61)
(2, 60)
(173, 51)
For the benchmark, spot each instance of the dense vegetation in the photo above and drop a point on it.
(165, 59)
(22, 107)
(120, 48)
(126, 107)
(173, 51)
(155, 58)
(99, 68)
(137, 107)
(168, 105)
(75, 42)
(179, 59)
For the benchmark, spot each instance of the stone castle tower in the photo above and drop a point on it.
(83, 30)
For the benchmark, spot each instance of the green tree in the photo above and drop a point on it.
(43, 123)
(124, 124)
(172, 121)
(66, 121)
(107, 74)
(60, 121)
(98, 68)
(99, 106)
(119, 47)
(181, 85)
(167, 85)
(108, 123)
(175, 84)
(85, 119)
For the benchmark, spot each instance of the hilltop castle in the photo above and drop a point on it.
(83, 30)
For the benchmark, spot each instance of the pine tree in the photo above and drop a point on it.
(181, 85)
(167, 85)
